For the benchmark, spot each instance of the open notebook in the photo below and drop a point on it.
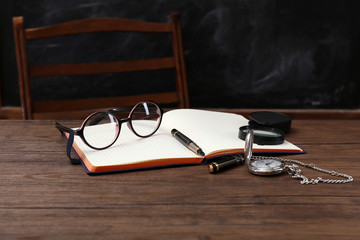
(215, 132)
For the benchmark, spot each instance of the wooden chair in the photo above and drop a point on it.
(80, 107)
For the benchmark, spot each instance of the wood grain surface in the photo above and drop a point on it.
(43, 196)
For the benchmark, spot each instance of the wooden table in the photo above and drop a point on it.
(43, 196)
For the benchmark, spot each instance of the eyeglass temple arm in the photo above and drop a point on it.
(62, 128)
(71, 132)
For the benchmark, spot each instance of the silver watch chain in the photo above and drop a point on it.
(295, 172)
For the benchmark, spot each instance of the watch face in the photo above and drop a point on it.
(266, 167)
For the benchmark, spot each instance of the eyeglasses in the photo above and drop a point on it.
(100, 130)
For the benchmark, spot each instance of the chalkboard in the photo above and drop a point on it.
(238, 53)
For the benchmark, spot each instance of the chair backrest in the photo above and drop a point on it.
(32, 109)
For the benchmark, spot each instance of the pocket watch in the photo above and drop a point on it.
(261, 165)
(266, 167)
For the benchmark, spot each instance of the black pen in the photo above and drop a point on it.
(225, 162)
(187, 142)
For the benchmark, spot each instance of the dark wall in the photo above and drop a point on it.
(239, 53)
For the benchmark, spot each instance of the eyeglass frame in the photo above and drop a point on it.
(80, 131)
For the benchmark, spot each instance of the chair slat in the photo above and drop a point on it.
(109, 102)
(101, 68)
(96, 25)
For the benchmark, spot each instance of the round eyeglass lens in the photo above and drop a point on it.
(145, 119)
(101, 130)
